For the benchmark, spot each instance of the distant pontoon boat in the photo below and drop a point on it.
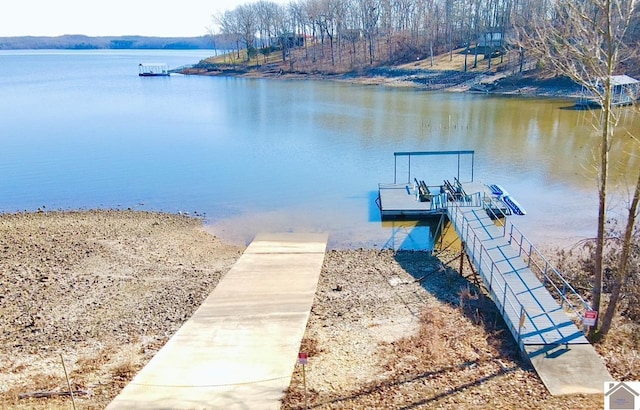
(153, 70)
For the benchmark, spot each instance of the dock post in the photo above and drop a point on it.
(462, 245)
(504, 297)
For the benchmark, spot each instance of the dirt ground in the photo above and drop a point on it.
(405, 332)
(104, 290)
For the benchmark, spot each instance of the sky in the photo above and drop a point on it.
(161, 18)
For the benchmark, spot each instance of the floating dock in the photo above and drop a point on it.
(401, 201)
(540, 308)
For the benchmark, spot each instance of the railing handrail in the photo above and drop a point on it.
(548, 266)
(519, 307)
(453, 205)
(532, 248)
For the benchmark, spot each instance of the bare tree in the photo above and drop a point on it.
(326, 18)
(584, 40)
(623, 270)
(247, 24)
(370, 12)
(297, 16)
(228, 23)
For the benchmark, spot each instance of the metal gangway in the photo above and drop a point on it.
(537, 303)
(542, 310)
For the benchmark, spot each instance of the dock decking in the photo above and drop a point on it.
(399, 201)
(239, 349)
(543, 329)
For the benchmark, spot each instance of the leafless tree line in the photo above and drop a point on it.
(408, 28)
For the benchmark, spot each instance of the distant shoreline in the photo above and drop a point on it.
(524, 85)
(82, 42)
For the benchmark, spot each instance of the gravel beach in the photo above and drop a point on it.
(104, 290)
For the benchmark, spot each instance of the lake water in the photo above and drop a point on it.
(80, 129)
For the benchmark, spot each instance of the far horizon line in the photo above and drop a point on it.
(98, 36)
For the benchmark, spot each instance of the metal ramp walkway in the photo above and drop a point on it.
(515, 274)
(533, 315)
(541, 309)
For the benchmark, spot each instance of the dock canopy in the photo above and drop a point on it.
(625, 90)
(153, 69)
(409, 154)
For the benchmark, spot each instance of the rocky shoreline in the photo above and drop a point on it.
(106, 289)
(526, 84)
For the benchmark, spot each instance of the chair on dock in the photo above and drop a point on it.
(450, 190)
(463, 195)
(455, 192)
(424, 194)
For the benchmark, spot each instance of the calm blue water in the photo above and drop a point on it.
(80, 129)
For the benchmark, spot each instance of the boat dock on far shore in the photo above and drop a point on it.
(153, 70)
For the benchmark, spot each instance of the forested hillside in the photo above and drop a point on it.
(381, 32)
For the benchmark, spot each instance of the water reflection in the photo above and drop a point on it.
(264, 155)
(411, 235)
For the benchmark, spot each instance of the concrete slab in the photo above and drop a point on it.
(288, 243)
(569, 369)
(239, 349)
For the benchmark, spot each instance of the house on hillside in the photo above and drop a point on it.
(291, 40)
(490, 43)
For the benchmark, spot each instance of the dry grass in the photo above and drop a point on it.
(459, 354)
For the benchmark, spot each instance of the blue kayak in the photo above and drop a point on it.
(498, 190)
(514, 205)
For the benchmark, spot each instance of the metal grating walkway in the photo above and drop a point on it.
(532, 314)
(542, 327)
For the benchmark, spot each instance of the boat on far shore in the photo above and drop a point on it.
(153, 70)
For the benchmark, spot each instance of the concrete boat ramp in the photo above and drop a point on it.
(239, 349)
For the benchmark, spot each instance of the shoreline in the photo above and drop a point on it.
(521, 85)
(104, 288)
(107, 289)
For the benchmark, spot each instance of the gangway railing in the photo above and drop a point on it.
(508, 303)
(512, 310)
(442, 201)
(549, 275)
(546, 272)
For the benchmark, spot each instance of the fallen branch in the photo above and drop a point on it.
(40, 394)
